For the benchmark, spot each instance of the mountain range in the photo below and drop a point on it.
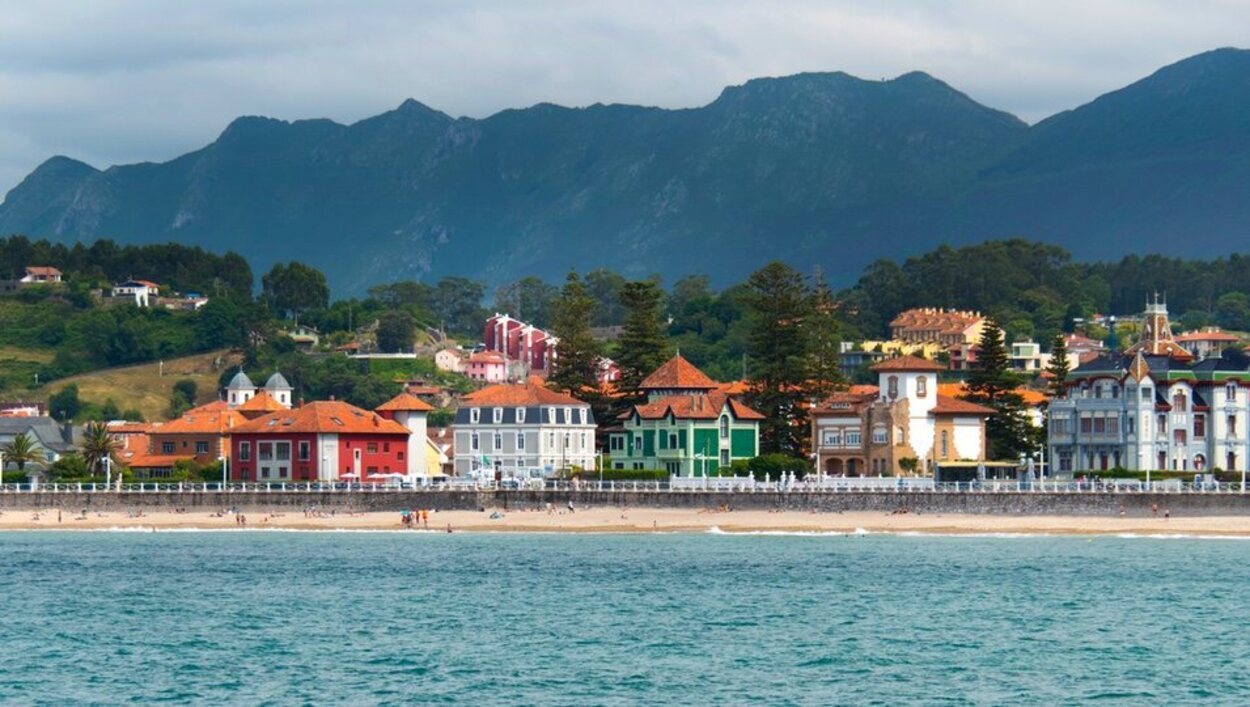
(816, 169)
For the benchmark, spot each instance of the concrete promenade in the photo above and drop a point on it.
(1014, 503)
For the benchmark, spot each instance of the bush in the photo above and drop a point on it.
(625, 475)
(773, 465)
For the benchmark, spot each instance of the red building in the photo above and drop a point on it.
(321, 441)
(518, 341)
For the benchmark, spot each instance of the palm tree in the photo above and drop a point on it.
(22, 451)
(97, 445)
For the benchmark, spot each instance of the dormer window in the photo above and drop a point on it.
(475, 415)
(497, 415)
(520, 415)
(922, 386)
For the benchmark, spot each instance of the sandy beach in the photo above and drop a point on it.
(629, 520)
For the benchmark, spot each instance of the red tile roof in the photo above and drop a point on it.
(529, 393)
(1208, 335)
(694, 407)
(323, 417)
(947, 405)
(676, 373)
(213, 418)
(909, 363)
(405, 402)
(261, 402)
(487, 357)
(45, 270)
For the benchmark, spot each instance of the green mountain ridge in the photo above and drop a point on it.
(815, 168)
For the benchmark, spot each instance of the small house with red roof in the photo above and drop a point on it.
(1207, 342)
(141, 291)
(869, 432)
(487, 366)
(688, 426)
(41, 274)
(327, 440)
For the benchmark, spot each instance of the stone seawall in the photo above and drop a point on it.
(1003, 503)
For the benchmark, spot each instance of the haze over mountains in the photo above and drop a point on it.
(820, 168)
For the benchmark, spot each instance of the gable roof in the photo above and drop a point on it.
(45, 270)
(693, 407)
(518, 394)
(323, 416)
(909, 363)
(213, 418)
(261, 402)
(947, 405)
(405, 402)
(678, 373)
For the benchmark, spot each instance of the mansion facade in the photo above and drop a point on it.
(1152, 407)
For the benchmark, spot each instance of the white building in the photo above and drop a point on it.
(142, 291)
(241, 389)
(519, 429)
(1152, 407)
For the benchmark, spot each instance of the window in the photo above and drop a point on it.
(898, 435)
(1231, 462)
(1200, 426)
(892, 386)
(1061, 425)
(637, 444)
(201, 447)
(1115, 395)
(1130, 425)
(520, 441)
(724, 457)
(1230, 426)
(852, 438)
(283, 450)
(305, 451)
(922, 386)
(475, 416)
(551, 440)
(724, 427)
(399, 455)
(878, 435)
(1087, 425)
(1179, 437)
(581, 415)
(245, 451)
(372, 448)
(1161, 426)
(1100, 425)
(945, 451)
(1065, 461)
(1146, 393)
(167, 447)
(1179, 402)
(568, 416)
(498, 441)
(568, 441)
(832, 438)
(264, 450)
(1113, 426)
(1230, 392)
(474, 442)
(1162, 461)
(616, 443)
(520, 415)
(386, 446)
(672, 440)
(496, 415)
(551, 415)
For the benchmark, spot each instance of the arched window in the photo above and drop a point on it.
(922, 386)
(892, 386)
(1178, 401)
(724, 427)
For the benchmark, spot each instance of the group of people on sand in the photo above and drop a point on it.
(412, 518)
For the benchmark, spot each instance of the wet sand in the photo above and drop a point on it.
(640, 520)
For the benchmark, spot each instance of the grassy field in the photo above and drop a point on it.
(143, 388)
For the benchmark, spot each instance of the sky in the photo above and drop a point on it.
(123, 81)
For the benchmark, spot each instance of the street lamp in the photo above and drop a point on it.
(224, 464)
(108, 472)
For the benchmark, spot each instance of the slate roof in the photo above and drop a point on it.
(518, 395)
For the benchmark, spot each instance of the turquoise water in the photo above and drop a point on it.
(362, 618)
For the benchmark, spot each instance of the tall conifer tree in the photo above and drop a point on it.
(991, 383)
(825, 341)
(1058, 366)
(779, 352)
(643, 347)
(577, 354)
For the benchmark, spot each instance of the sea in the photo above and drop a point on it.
(274, 617)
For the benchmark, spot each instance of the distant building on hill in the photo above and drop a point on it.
(945, 327)
(142, 292)
(41, 274)
(487, 366)
(533, 348)
(1207, 342)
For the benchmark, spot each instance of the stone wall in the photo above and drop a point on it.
(1078, 504)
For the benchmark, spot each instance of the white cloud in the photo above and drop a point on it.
(131, 80)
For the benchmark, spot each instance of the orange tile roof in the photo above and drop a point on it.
(213, 418)
(47, 270)
(154, 461)
(908, 363)
(694, 407)
(954, 406)
(929, 319)
(529, 393)
(677, 372)
(261, 402)
(1208, 335)
(323, 416)
(405, 402)
(1031, 397)
(738, 387)
(487, 357)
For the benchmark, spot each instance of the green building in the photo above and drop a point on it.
(688, 426)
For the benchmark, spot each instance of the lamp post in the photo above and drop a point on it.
(108, 472)
(224, 476)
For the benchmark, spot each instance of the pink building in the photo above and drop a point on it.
(487, 366)
(528, 345)
(609, 372)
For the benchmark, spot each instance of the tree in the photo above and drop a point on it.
(64, 404)
(110, 411)
(991, 383)
(780, 356)
(457, 304)
(97, 445)
(21, 450)
(605, 287)
(396, 331)
(823, 337)
(1058, 366)
(642, 346)
(577, 354)
(528, 299)
(182, 397)
(295, 287)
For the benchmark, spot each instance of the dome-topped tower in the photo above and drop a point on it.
(277, 387)
(240, 389)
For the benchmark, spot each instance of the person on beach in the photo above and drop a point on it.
(1167, 513)
(1154, 508)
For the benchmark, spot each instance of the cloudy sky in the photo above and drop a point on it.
(118, 81)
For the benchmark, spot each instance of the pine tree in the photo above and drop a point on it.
(779, 351)
(1058, 366)
(991, 383)
(577, 354)
(642, 346)
(824, 338)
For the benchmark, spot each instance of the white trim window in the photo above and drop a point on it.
(498, 441)
(496, 415)
(520, 416)
(475, 416)
(520, 441)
